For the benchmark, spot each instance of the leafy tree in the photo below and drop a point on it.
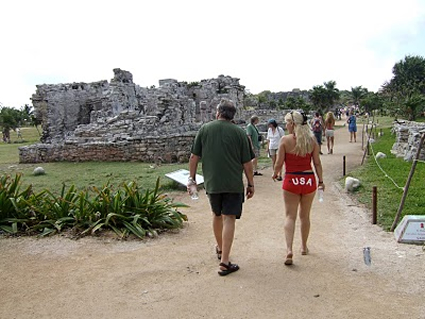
(413, 105)
(372, 101)
(318, 97)
(26, 112)
(405, 92)
(357, 94)
(296, 103)
(332, 93)
(10, 119)
(409, 75)
(324, 96)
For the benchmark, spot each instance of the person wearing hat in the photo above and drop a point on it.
(274, 134)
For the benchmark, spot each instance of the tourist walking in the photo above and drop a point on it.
(296, 150)
(255, 138)
(352, 126)
(226, 153)
(18, 133)
(318, 129)
(274, 134)
(329, 131)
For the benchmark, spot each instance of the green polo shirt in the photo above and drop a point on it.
(252, 131)
(223, 148)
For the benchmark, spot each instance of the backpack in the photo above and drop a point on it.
(317, 125)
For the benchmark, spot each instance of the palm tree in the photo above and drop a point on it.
(324, 96)
(318, 97)
(357, 94)
(332, 93)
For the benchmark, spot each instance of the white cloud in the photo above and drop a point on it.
(274, 45)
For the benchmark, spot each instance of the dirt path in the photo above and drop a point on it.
(175, 276)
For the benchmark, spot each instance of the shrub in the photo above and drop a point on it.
(126, 211)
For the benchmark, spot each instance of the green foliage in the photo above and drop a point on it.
(405, 92)
(264, 96)
(192, 84)
(357, 94)
(296, 103)
(389, 195)
(323, 97)
(128, 210)
(372, 101)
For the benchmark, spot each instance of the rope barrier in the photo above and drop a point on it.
(379, 166)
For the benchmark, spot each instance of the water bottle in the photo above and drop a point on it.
(320, 194)
(194, 192)
(366, 256)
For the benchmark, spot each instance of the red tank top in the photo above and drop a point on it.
(295, 163)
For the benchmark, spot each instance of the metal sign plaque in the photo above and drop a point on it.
(181, 176)
(411, 229)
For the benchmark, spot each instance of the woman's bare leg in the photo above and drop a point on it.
(305, 208)
(328, 143)
(291, 207)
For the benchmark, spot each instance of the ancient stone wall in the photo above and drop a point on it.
(408, 136)
(170, 149)
(120, 120)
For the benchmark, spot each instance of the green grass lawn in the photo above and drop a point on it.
(81, 175)
(389, 195)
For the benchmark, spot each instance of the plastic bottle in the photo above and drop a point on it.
(320, 194)
(366, 256)
(194, 192)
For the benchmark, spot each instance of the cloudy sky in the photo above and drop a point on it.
(272, 45)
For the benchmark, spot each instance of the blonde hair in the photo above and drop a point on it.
(330, 118)
(304, 137)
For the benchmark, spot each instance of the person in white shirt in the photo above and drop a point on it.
(274, 134)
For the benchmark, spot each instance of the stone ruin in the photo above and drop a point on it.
(121, 121)
(408, 136)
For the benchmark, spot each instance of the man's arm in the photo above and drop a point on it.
(193, 165)
(248, 170)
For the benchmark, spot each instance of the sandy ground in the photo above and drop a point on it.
(175, 276)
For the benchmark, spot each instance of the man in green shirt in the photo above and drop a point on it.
(226, 154)
(254, 137)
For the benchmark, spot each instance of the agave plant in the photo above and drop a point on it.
(14, 210)
(126, 211)
(132, 211)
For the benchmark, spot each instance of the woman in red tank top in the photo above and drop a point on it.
(297, 150)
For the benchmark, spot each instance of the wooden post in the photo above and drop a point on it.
(406, 187)
(343, 166)
(374, 205)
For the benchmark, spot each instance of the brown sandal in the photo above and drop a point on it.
(288, 261)
(229, 269)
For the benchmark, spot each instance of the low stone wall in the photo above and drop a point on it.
(263, 116)
(159, 149)
(408, 137)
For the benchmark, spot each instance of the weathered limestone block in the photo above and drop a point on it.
(82, 121)
(408, 136)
